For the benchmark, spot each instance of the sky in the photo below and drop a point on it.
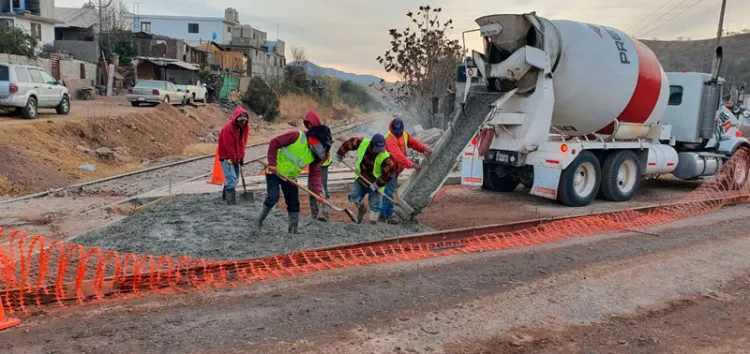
(349, 34)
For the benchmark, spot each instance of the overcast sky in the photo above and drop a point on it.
(350, 34)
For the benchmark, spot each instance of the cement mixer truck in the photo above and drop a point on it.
(586, 111)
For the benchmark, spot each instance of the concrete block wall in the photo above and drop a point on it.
(69, 69)
(81, 50)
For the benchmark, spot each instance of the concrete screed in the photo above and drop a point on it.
(204, 226)
(464, 128)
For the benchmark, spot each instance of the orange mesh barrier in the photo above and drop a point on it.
(35, 271)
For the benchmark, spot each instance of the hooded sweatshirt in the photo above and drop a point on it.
(232, 139)
(395, 145)
(290, 138)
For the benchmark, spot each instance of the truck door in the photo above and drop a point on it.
(40, 88)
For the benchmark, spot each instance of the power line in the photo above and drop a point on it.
(649, 15)
(660, 17)
(672, 19)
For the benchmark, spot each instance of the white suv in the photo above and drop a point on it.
(28, 88)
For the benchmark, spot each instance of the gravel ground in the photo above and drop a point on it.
(204, 226)
(419, 190)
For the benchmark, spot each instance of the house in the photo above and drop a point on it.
(76, 32)
(225, 59)
(177, 71)
(193, 30)
(151, 45)
(37, 17)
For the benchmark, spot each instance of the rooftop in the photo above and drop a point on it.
(168, 17)
(76, 17)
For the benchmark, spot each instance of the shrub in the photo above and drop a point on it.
(262, 99)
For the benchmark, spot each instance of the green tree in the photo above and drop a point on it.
(262, 99)
(14, 40)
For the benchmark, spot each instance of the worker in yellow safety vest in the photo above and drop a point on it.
(288, 154)
(374, 169)
(310, 121)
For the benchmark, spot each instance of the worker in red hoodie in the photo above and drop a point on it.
(313, 120)
(396, 142)
(288, 154)
(232, 144)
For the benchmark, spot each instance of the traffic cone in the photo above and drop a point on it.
(217, 175)
(7, 322)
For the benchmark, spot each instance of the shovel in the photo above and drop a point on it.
(370, 183)
(245, 196)
(312, 194)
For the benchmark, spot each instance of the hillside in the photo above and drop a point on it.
(696, 55)
(313, 69)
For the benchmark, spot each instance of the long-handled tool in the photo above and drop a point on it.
(245, 196)
(370, 183)
(311, 193)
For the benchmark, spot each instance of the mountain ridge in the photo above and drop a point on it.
(314, 69)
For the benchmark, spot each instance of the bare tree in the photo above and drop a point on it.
(425, 59)
(298, 54)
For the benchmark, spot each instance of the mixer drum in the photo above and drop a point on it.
(600, 74)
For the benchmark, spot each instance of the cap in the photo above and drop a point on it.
(378, 143)
(397, 126)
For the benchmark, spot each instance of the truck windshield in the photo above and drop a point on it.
(675, 95)
(4, 76)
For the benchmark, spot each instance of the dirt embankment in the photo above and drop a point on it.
(43, 155)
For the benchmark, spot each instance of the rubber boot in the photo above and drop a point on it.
(314, 208)
(263, 215)
(361, 211)
(374, 217)
(231, 197)
(223, 195)
(293, 222)
(393, 220)
(326, 213)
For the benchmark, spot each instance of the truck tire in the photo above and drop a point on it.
(64, 106)
(31, 109)
(498, 178)
(621, 176)
(526, 176)
(579, 183)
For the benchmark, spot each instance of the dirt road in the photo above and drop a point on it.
(499, 302)
(100, 107)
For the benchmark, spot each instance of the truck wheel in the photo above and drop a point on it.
(30, 110)
(580, 182)
(499, 178)
(64, 106)
(621, 176)
(526, 176)
(739, 175)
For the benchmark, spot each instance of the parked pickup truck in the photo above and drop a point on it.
(194, 93)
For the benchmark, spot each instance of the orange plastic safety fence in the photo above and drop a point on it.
(35, 271)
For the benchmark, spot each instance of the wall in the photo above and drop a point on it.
(81, 50)
(69, 69)
(177, 27)
(48, 30)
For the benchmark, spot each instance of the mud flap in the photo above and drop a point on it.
(546, 181)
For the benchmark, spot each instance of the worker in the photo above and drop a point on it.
(232, 144)
(313, 120)
(396, 142)
(288, 154)
(376, 166)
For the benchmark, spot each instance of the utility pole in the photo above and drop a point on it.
(721, 22)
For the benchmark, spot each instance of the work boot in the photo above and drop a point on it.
(314, 208)
(374, 217)
(393, 220)
(326, 213)
(223, 195)
(293, 221)
(231, 197)
(361, 211)
(263, 215)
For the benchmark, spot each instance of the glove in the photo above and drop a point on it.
(229, 161)
(242, 162)
(374, 187)
(270, 170)
(339, 158)
(417, 168)
(428, 152)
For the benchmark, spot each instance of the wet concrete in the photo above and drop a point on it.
(204, 226)
(422, 185)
